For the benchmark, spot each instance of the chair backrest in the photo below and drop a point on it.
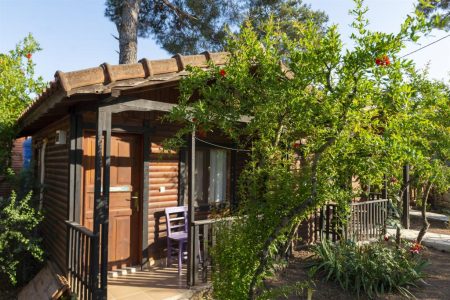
(176, 219)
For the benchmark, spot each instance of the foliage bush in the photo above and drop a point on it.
(19, 244)
(369, 269)
(20, 251)
(239, 242)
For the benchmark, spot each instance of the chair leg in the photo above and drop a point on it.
(169, 253)
(180, 256)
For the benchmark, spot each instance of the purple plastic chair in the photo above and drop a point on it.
(177, 227)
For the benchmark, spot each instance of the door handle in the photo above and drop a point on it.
(135, 199)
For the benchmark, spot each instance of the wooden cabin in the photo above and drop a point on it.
(97, 146)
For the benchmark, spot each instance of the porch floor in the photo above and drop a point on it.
(153, 284)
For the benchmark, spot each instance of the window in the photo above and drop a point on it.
(217, 176)
(211, 177)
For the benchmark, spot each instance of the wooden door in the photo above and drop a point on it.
(125, 196)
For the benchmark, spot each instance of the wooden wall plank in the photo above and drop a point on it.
(56, 192)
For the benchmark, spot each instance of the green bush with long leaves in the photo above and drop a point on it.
(369, 269)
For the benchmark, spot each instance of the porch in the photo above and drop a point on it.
(154, 284)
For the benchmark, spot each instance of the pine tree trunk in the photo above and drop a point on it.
(425, 223)
(128, 32)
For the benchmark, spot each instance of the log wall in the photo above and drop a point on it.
(55, 191)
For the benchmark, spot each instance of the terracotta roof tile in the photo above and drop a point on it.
(107, 75)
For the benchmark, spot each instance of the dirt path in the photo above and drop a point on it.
(436, 285)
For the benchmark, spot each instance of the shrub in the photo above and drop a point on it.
(18, 241)
(369, 269)
(234, 256)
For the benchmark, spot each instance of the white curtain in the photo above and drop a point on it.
(217, 176)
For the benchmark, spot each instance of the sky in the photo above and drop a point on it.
(75, 34)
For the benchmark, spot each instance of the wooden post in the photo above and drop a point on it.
(384, 190)
(97, 204)
(75, 160)
(191, 213)
(328, 221)
(322, 222)
(182, 165)
(72, 177)
(72, 165)
(406, 196)
(105, 198)
(101, 204)
(145, 191)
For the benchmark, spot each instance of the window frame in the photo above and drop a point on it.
(183, 183)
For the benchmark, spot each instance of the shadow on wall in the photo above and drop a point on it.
(157, 248)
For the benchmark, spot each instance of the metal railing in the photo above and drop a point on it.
(81, 243)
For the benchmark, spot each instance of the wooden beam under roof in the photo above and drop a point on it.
(135, 104)
(117, 105)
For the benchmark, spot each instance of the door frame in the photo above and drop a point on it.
(143, 161)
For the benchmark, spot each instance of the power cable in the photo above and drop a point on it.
(223, 147)
(421, 48)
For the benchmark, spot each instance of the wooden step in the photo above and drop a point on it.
(121, 272)
(131, 270)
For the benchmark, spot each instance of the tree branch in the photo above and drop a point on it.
(425, 223)
(329, 86)
(264, 257)
(280, 129)
(178, 11)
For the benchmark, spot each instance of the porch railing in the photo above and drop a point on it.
(205, 238)
(367, 219)
(81, 243)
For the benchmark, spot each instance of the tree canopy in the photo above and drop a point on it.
(18, 86)
(437, 12)
(190, 27)
(321, 114)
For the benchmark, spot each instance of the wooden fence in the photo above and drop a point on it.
(326, 223)
(367, 220)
